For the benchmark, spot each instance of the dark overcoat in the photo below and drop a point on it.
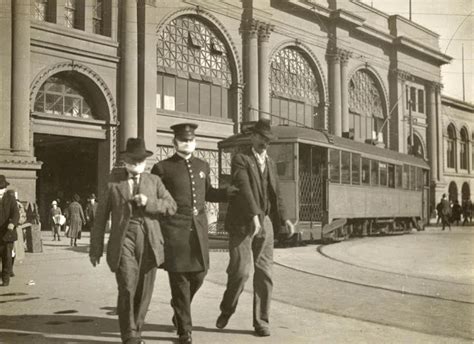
(9, 213)
(186, 233)
(248, 201)
(116, 200)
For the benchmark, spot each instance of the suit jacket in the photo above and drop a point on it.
(186, 233)
(446, 207)
(116, 201)
(248, 202)
(9, 213)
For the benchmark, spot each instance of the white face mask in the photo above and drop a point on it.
(137, 168)
(92, 201)
(187, 147)
(2, 192)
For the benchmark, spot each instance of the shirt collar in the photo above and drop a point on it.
(261, 156)
(130, 176)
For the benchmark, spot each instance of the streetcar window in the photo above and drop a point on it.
(420, 178)
(391, 176)
(426, 177)
(365, 171)
(334, 175)
(398, 176)
(283, 156)
(374, 175)
(345, 167)
(383, 173)
(406, 175)
(355, 169)
(412, 178)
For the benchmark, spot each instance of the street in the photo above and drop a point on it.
(415, 288)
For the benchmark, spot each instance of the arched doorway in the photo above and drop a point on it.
(70, 115)
(465, 191)
(453, 192)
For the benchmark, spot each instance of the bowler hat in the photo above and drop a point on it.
(3, 182)
(263, 127)
(136, 149)
(184, 131)
(92, 196)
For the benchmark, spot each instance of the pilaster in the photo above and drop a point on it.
(264, 32)
(333, 58)
(432, 141)
(345, 55)
(250, 61)
(5, 72)
(440, 138)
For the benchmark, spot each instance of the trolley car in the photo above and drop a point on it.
(334, 187)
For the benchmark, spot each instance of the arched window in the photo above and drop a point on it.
(63, 96)
(453, 191)
(194, 73)
(463, 149)
(417, 148)
(295, 89)
(365, 106)
(451, 147)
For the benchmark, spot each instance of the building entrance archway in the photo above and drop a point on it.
(453, 192)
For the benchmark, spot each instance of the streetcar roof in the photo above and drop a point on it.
(321, 138)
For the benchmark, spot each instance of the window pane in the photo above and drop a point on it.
(334, 165)
(355, 169)
(300, 118)
(345, 167)
(225, 110)
(275, 111)
(406, 176)
(308, 116)
(413, 98)
(365, 171)
(54, 104)
(193, 96)
(205, 99)
(169, 93)
(292, 113)
(421, 101)
(420, 183)
(216, 105)
(181, 95)
(283, 111)
(391, 176)
(282, 155)
(159, 91)
(357, 129)
(383, 173)
(369, 122)
(412, 178)
(398, 176)
(374, 173)
(407, 96)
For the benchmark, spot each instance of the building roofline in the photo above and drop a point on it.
(457, 103)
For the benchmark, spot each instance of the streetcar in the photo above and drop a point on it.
(334, 187)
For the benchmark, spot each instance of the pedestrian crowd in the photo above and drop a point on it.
(449, 212)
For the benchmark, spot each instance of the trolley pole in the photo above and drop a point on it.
(410, 123)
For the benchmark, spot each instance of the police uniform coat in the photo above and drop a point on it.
(186, 232)
(116, 200)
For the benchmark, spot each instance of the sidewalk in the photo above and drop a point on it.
(71, 302)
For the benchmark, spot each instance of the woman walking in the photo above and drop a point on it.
(55, 214)
(75, 219)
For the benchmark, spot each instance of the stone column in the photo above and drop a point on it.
(251, 70)
(5, 72)
(264, 70)
(334, 92)
(128, 72)
(439, 121)
(432, 141)
(345, 55)
(20, 99)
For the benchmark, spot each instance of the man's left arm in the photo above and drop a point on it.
(14, 214)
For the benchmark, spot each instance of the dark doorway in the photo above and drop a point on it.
(453, 192)
(465, 191)
(70, 166)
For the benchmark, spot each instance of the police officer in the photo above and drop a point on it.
(186, 233)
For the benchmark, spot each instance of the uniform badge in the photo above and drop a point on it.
(202, 175)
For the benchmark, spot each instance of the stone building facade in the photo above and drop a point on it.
(81, 76)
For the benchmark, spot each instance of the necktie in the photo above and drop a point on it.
(135, 185)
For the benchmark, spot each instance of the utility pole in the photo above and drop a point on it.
(463, 85)
(410, 123)
(409, 11)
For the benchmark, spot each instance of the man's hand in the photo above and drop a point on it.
(257, 226)
(140, 200)
(290, 228)
(11, 226)
(94, 260)
(232, 191)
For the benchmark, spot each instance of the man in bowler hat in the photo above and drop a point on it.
(186, 233)
(9, 216)
(135, 249)
(253, 216)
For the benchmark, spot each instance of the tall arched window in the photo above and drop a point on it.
(365, 106)
(451, 147)
(463, 149)
(63, 96)
(295, 89)
(194, 73)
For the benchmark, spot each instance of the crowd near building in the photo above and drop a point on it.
(79, 77)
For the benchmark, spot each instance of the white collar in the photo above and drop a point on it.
(261, 156)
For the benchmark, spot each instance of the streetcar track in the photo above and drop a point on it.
(372, 286)
(320, 251)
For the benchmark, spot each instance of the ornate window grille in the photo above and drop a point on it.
(364, 95)
(41, 10)
(463, 152)
(70, 13)
(98, 17)
(295, 90)
(451, 147)
(188, 45)
(58, 96)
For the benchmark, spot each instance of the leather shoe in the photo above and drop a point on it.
(262, 332)
(222, 320)
(185, 338)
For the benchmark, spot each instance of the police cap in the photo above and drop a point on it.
(184, 131)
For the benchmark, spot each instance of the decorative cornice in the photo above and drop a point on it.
(49, 71)
(406, 42)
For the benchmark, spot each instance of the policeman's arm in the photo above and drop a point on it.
(213, 194)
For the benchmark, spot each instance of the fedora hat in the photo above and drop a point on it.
(263, 127)
(3, 182)
(136, 150)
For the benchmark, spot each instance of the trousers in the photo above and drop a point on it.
(135, 279)
(242, 249)
(7, 262)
